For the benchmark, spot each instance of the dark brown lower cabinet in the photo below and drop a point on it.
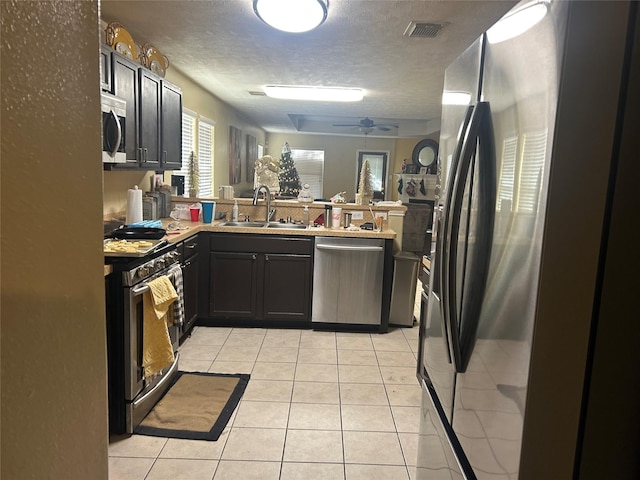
(190, 281)
(234, 284)
(286, 287)
(255, 277)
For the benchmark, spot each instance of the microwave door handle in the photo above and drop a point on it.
(116, 145)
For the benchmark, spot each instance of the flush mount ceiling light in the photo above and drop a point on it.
(321, 94)
(294, 16)
(518, 21)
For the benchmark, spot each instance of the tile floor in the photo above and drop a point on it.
(319, 405)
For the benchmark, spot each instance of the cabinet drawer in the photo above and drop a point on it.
(237, 242)
(190, 246)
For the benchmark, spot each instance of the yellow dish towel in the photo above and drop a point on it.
(156, 344)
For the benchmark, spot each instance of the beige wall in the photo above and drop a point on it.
(195, 98)
(340, 151)
(207, 105)
(53, 361)
(340, 158)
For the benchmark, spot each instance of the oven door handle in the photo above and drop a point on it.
(140, 289)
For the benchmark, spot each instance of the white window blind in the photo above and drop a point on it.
(534, 150)
(507, 173)
(202, 145)
(188, 144)
(205, 156)
(310, 167)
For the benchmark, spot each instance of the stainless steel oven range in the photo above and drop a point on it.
(131, 395)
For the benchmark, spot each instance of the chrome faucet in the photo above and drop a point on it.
(267, 197)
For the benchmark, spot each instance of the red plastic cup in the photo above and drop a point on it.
(195, 214)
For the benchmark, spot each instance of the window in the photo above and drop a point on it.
(202, 146)
(205, 156)
(507, 173)
(310, 167)
(534, 150)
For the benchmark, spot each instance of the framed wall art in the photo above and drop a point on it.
(252, 156)
(235, 155)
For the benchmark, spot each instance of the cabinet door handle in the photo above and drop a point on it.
(266, 258)
(164, 156)
(254, 256)
(191, 247)
(146, 151)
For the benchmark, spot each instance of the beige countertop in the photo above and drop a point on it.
(192, 228)
(196, 227)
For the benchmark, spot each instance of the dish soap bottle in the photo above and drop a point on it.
(305, 216)
(235, 211)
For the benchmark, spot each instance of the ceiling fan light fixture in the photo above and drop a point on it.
(293, 16)
(320, 94)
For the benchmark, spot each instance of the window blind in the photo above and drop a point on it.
(205, 156)
(507, 172)
(534, 150)
(310, 167)
(202, 145)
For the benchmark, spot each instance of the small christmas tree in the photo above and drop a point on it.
(194, 175)
(365, 190)
(288, 177)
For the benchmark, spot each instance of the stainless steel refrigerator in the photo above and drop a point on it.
(528, 356)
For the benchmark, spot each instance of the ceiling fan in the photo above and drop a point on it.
(367, 125)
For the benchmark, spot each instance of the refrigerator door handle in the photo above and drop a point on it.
(463, 325)
(442, 261)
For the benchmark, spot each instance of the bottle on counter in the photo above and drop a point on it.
(305, 216)
(234, 215)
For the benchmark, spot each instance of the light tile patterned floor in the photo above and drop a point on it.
(319, 405)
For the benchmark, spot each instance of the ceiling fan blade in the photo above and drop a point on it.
(346, 125)
(384, 129)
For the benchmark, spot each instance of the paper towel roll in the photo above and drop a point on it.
(134, 205)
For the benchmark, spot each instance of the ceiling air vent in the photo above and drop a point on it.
(423, 29)
(257, 93)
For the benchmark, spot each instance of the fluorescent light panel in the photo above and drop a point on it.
(320, 94)
(294, 16)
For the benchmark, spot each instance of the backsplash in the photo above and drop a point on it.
(115, 187)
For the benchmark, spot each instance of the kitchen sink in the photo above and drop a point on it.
(244, 224)
(297, 226)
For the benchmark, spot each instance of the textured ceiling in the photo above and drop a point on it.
(226, 49)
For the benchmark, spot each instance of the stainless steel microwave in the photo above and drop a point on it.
(114, 113)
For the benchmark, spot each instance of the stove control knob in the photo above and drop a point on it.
(160, 264)
(143, 271)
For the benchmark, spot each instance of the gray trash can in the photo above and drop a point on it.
(403, 290)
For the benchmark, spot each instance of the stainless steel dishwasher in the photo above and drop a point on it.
(347, 280)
